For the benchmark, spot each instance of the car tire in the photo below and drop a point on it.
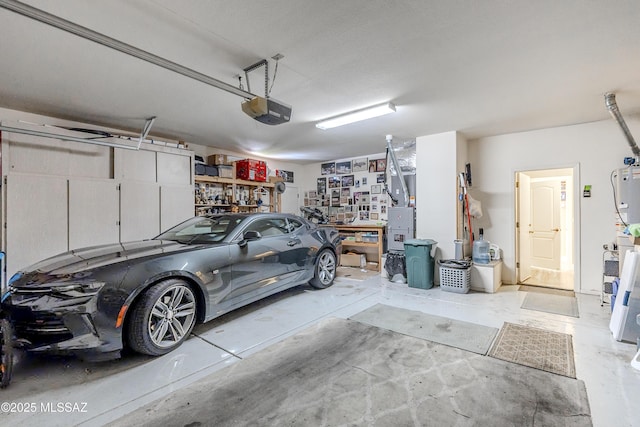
(325, 270)
(162, 318)
(6, 352)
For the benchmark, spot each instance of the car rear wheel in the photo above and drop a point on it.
(325, 270)
(163, 318)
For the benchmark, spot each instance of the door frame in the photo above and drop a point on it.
(576, 219)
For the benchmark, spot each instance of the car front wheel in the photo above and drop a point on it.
(325, 270)
(6, 353)
(163, 318)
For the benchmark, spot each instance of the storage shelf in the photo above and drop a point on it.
(352, 243)
(232, 188)
(350, 230)
(221, 180)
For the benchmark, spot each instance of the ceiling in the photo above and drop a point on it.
(481, 68)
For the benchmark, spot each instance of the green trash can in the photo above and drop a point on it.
(419, 262)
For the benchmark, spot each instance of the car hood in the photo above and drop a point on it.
(79, 260)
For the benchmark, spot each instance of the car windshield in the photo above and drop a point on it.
(201, 230)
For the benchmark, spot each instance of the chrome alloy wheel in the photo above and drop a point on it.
(172, 316)
(326, 267)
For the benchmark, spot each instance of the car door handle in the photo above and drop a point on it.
(292, 242)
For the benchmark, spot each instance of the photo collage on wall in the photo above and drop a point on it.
(351, 190)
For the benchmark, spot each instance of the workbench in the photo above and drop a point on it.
(360, 239)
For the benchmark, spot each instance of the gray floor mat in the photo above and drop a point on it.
(454, 333)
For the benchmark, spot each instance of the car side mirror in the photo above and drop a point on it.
(249, 236)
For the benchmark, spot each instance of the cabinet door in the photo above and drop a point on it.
(131, 165)
(93, 212)
(176, 205)
(36, 217)
(173, 169)
(139, 210)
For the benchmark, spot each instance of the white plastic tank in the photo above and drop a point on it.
(480, 253)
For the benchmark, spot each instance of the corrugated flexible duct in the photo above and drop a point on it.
(610, 101)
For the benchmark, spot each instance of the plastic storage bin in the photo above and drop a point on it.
(251, 170)
(455, 275)
(419, 262)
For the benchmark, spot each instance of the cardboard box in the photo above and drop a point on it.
(217, 159)
(372, 266)
(353, 260)
(635, 240)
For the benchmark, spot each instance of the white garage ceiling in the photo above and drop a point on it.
(482, 68)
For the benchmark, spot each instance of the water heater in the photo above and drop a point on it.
(628, 194)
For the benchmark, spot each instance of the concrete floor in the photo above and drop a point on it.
(63, 391)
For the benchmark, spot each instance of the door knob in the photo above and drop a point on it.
(555, 229)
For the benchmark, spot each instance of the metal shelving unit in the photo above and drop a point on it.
(610, 270)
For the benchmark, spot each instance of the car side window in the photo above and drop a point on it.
(294, 225)
(269, 226)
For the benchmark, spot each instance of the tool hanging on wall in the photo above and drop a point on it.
(463, 181)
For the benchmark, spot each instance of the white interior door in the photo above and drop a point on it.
(545, 224)
(290, 200)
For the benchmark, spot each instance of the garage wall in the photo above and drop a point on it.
(60, 195)
(595, 148)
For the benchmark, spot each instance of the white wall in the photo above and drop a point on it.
(597, 148)
(439, 158)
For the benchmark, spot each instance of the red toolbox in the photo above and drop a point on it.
(251, 170)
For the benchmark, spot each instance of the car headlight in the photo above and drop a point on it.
(15, 277)
(77, 289)
(67, 289)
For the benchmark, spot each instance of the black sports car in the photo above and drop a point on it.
(148, 295)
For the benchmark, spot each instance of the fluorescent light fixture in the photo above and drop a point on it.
(356, 116)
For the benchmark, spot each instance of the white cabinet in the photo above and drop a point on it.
(62, 195)
(486, 277)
